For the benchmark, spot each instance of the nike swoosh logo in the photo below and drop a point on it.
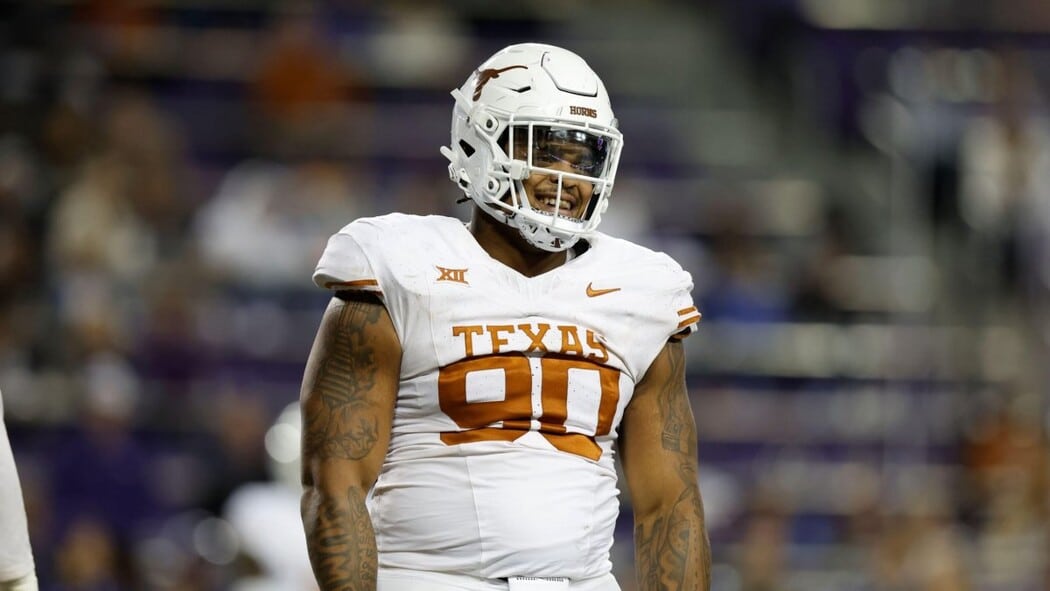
(593, 293)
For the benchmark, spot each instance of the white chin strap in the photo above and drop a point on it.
(542, 238)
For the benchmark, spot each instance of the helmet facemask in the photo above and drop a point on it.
(556, 216)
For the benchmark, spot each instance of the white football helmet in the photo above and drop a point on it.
(549, 104)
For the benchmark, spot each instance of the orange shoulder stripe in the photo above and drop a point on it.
(358, 284)
(688, 321)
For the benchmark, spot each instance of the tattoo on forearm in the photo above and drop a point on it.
(669, 545)
(344, 427)
(672, 549)
(341, 542)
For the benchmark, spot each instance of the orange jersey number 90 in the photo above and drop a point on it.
(594, 390)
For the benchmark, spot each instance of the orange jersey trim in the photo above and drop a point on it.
(688, 316)
(688, 321)
(358, 284)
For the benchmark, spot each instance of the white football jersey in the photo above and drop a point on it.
(512, 387)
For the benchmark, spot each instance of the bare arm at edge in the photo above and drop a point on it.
(659, 458)
(348, 393)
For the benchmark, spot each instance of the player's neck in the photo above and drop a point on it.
(506, 245)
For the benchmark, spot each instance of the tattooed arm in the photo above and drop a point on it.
(658, 454)
(347, 399)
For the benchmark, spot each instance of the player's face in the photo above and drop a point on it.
(560, 150)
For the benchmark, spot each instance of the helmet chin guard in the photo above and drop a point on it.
(524, 100)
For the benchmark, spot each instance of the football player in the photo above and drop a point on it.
(471, 384)
(17, 571)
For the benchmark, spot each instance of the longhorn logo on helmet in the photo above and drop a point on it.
(488, 74)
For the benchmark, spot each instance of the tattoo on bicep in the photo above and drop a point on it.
(340, 540)
(675, 435)
(346, 426)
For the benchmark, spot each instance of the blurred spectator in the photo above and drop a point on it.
(300, 87)
(422, 44)
(100, 470)
(745, 287)
(169, 352)
(122, 214)
(268, 220)
(1008, 468)
(149, 143)
(95, 227)
(67, 137)
(266, 514)
(919, 547)
(88, 559)
(21, 207)
(818, 292)
(17, 252)
(298, 72)
(1005, 188)
(235, 452)
(763, 558)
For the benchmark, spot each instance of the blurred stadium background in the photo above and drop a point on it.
(861, 189)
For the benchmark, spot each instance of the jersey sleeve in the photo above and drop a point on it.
(363, 257)
(687, 315)
(679, 301)
(660, 308)
(344, 265)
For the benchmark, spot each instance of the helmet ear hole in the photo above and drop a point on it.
(490, 123)
(492, 186)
